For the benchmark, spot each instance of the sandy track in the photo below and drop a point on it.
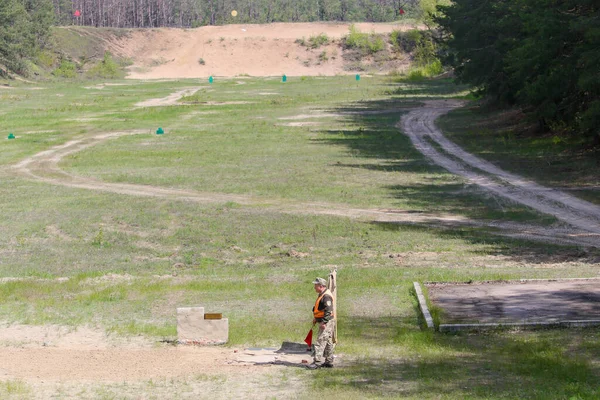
(99, 365)
(44, 167)
(170, 100)
(419, 125)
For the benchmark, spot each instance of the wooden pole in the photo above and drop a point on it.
(332, 286)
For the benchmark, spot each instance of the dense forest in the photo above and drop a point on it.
(194, 13)
(541, 55)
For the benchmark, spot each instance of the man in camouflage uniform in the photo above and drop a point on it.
(323, 315)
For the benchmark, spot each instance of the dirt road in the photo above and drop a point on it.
(419, 125)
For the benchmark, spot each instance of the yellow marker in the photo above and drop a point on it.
(234, 13)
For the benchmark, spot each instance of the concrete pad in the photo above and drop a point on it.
(522, 302)
(290, 354)
(192, 328)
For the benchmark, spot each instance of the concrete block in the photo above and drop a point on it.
(192, 328)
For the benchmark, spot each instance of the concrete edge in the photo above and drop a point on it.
(423, 306)
(513, 281)
(444, 328)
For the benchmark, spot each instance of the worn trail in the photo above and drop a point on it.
(419, 125)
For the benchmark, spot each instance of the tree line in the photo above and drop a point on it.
(195, 13)
(542, 55)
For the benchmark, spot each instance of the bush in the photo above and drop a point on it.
(318, 41)
(421, 73)
(366, 43)
(67, 69)
(406, 41)
(107, 68)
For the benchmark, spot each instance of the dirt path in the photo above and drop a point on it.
(170, 100)
(419, 125)
(44, 167)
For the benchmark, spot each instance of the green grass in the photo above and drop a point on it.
(507, 139)
(132, 260)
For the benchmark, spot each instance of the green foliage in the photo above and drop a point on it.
(46, 59)
(426, 71)
(67, 69)
(406, 41)
(318, 40)
(107, 68)
(24, 29)
(539, 54)
(366, 43)
(419, 43)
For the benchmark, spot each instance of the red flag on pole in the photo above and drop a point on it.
(77, 13)
(402, 11)
(308, 339)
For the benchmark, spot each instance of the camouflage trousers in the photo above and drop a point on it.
(324, 346)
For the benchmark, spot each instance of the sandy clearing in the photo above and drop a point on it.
(112, 365)
(54, 353)
(419, 125)
(301, 124)
(234, 50)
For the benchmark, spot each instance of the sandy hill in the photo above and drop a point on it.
(232, 50)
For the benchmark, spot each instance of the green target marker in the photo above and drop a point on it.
(160, 131)
(211, 80)
(284, 78)
(11, 136)
(357, 77)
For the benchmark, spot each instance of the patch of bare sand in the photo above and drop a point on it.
(56, 336)
(55, 231)
(75, 363)
(170, 100)
(301, 124)
(222, 103)
(233, 50)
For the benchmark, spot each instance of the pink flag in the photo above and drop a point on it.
(77, 13)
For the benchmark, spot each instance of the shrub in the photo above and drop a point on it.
(366, 43)
(66, 69)
(318, 41)
(201, 61)
(430, 70)
(107, 68)
(406, 41)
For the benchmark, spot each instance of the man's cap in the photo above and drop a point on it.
(320, 281)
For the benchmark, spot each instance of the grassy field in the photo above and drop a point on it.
(509, 139)
(130, 261)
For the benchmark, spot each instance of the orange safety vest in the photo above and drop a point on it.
(321, 313)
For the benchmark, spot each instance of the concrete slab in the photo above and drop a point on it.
(517, 302)
(289, 354)
(192, 328)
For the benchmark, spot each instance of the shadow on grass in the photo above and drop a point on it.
(431, 188)
(517, 365)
